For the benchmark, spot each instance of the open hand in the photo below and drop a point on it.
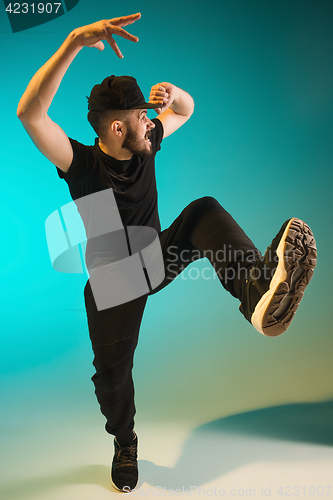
(93, 34)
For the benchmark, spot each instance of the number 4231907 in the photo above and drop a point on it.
(38, 8)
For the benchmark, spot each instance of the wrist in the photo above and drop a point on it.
(74, 40)
(175, 97)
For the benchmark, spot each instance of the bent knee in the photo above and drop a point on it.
(206, 203)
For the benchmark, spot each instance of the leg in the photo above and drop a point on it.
(270, 287)
(114, 336)
(205, 229)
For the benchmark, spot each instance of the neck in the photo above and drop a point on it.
(116, 152)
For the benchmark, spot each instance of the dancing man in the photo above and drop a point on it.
(269, 287)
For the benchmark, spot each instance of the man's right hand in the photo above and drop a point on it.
(93, 34)
(33, 107)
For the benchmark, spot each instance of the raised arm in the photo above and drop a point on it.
(33, 107)
(176, 106)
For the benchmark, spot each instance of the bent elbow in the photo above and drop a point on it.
(21, 112)
(26, 114)
(192, 105)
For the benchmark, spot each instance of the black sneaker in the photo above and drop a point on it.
(275, 285)
(124, 471)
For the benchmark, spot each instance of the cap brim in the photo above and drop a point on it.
(147, 105)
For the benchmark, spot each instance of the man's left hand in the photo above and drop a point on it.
(164, 94)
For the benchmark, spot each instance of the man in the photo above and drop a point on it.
(122, 160)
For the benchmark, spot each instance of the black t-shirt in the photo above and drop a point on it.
(133, 181)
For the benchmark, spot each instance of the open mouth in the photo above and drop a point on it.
(147, 137)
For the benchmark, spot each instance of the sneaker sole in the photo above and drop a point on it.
(128, 489)
(297, 258)
(114, 486)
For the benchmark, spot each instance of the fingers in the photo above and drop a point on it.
(115, 47)
(116, 30)
(113, 44)
(158, 95)
(161, 95)
(125, 20)
(99, 45)
(106, 28)
(156, 100)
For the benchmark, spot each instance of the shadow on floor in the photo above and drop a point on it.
(90, 474)
(303, 422)
(216, 448)
(264, 435)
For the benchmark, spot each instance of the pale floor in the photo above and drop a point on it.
(73, 463)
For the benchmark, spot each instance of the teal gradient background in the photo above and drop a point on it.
(259, 141)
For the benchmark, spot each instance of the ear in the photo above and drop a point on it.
(117, 128)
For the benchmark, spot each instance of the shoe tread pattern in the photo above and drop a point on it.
(300, 260)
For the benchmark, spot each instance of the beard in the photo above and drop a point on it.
(135, 145)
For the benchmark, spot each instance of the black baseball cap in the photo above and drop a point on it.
(118, 92)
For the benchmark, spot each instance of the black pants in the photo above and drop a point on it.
(203, 229)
